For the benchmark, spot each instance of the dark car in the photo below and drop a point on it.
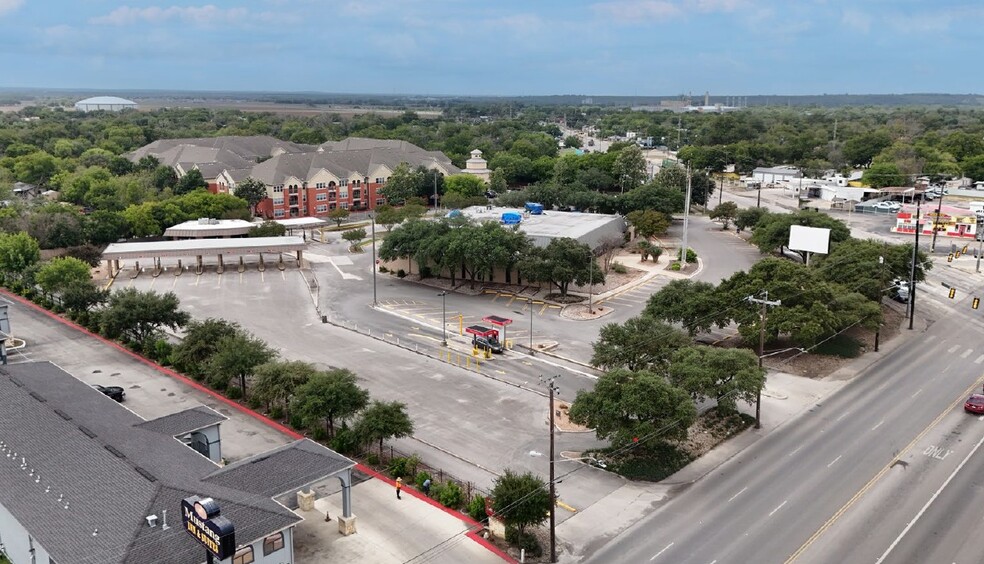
(487, 343)
(114, 392)
(975, 404)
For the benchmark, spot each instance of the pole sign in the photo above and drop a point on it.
(201, 519)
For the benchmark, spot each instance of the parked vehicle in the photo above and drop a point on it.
(975, 404)
(888, 206)
(487, 344)
(115, 392)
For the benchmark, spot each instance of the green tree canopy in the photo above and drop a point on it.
(18, 252)
(626, 405)
(772, 230)
(251, 190)
(726, 212)
(333, 396)
(277, 382)
(199, 344)
(338, 215)
(237, 356)
(562, 262)
(649, 223)
(725, 375)
(465, 185)
(641, 343)
(383, 420)
(521, 500)
(135, 316)
(698, 306)
(191, 181)
(61, 273)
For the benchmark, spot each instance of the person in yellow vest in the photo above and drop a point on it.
(399, 487)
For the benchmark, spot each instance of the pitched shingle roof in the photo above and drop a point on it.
(298, 464)
(186, 421)
(87, 472)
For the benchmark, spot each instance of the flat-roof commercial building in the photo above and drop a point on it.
(207, 228)
(588, 228)
(86, 481)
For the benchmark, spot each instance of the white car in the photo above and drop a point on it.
(890, 206)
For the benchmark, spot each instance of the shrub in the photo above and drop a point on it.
(448, 494)
(372, 459)
(345, 441)
(691, 255)
(383, 269)
(234, 392)
(319, 433)
(619, 268)
(404, 466)
(297, 422)
(476, 509)
(254, 402)
(425, 272)
(675, 266)
(276, 412)
(401, 273)
(526, 540)
(421, 478)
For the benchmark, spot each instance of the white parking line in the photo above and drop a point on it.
(846, 413)
(878, 425)
(953, 348)
(777, 508)
(979, 359)
(797, 450)
(661, 552)
(834, 461)
(966, 353)
(917, 392)
(738, 494)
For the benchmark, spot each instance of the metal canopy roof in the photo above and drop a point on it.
(220, 228)
(202, 247)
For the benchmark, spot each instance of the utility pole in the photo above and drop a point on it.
(939, 210)
(435, 192)
(552, 387)
(762, 317)
(980, 244)
(721, 191)
(375, 267)
(686, 221)
(912, 272)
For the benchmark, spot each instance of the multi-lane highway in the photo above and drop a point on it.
(849, 479)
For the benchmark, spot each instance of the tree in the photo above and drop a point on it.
(664, 199)
(748, 218)
(572, 141)
(772, 230)
(860, 150)
(675, 177)
(278, 381)
(18, 252)
(333, 396)
(388, 216)
(882, 174)
(648, 223)
(164, 177)
(861, 265)
(403, 184)
(629, 167)
(973, 167)
(102, 227)
(59, 274)
(465, 185)
(625, 406)
(696, 305)
(237, 356)
(726, 212)
(35, 168)
(268, 229)
(199, 344)
(521, 500)
(191, 181)
(640, 343)
(135, 316)
(82, 297)
(727, 375)
(384, 420)
(338, 215)
(253, 191)
(561, 262)
(353, 236)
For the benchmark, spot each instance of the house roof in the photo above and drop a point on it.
(81, 473)
(191, 419)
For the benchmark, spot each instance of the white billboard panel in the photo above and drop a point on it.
(809, 239)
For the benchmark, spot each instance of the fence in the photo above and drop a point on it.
(438, 475)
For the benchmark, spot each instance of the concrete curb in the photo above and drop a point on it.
(472, 534)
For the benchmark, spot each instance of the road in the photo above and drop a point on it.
(832, 470)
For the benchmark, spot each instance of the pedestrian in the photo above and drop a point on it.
(427, 486)
(399, 487)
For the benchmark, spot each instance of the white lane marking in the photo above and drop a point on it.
(930, 338)
(953, 348)
(834, 461)
(878, 425)
(778, 508)
(738, 494)
(930, 502)
(797, 450)
(661, 552)
(846, 413)
(917, 392)
(979, 359)
(966, 353)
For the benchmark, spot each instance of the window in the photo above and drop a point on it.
(343, 182)
(321, 186)
(245, 555)
(278, 213)
(356, 194)
(343, 195)
(380, 180)
(273, 543)
(380, 201)
(321, 208)
(278, 189)
(344, 205)
(321, 197)
(278, 201)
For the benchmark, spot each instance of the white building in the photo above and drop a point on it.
(477, 166)
(109, 103)
(772, 175)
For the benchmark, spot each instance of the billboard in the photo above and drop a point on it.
(809, 239)
(201, 519)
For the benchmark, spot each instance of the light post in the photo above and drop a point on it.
(529, 301)
(912, 272)
(375, 302)
(444, 317)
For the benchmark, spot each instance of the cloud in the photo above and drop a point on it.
(708, 6)
(856, 20)
(634, 11)
(197, 15)
(9, 5)
(519, 23)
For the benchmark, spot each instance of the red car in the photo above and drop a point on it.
(975, 404)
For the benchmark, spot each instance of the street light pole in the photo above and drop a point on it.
(758, 201)
(374, 267)
(939, 210)
(531, 326)
(686, 218)
(552, 386)
(912, 272)
(444, 317)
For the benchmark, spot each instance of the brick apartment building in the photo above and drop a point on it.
(301, 180)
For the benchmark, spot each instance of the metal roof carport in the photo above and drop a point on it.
(202, 247)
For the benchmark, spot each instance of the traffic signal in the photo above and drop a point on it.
(975, 303)
(953, 292)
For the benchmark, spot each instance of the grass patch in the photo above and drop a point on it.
(843, 346)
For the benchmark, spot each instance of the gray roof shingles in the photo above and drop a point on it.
(298, 464)
(186, 421)
(113, 469)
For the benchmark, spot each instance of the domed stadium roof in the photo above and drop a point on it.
(104, 103)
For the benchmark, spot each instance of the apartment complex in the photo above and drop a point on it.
(301, 180)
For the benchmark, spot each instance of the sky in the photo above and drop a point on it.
(497, 47)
